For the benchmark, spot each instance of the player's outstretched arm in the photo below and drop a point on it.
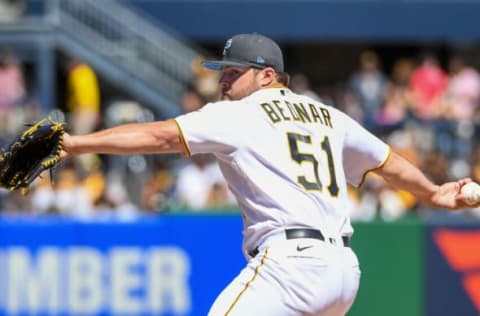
(140, 138)
(402, 174)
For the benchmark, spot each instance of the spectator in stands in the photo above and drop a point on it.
(402, 72)
(119, 206)
(158, 190)
(200, 184)
(83, 101)
(428, 85)
(71, 197)
(42, 197)
(463, 93)
(346, 101)
(399, 84)
(66, 195)
(394, 112)
(368, 85)
(12, 82)
(93, 179)
(299, 83)
(13, 92)
(456, 126)
(15, 203)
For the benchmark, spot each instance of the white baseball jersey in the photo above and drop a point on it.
(287, 159)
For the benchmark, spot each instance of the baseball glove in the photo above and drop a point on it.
(36, 149)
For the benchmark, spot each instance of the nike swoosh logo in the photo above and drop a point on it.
(303, 248)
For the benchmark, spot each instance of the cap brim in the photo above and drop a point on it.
(218, 64)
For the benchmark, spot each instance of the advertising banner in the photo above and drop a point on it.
(172, 265)
(453, 270)
(177, 265)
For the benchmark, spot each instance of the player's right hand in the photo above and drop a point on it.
(449, 196)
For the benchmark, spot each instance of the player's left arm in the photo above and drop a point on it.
(402, 174)
(137, 138)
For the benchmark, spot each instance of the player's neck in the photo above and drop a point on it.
(276, 85)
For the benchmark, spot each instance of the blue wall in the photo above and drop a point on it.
(318, 20)
(291, 20)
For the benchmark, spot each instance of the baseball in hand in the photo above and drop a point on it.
(472, 191)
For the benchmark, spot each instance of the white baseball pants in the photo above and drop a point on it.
(293, 277)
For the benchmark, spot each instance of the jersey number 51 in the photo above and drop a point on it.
(301, 157)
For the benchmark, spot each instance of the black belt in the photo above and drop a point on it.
(295, 233)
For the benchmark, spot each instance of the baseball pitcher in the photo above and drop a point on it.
(287, 159)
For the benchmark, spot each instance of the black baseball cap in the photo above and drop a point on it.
(253, 50)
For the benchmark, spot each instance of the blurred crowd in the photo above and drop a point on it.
(427, 112)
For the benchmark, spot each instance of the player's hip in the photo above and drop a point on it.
(301, 242)
(320, 279)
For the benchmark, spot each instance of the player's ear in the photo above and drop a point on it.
(267, 77)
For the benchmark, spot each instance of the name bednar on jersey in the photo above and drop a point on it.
(285, 111)
(287, 168)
